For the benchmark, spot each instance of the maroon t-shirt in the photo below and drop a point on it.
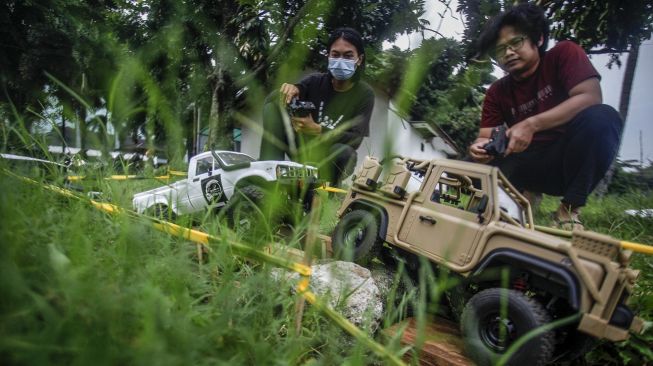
(561, 68)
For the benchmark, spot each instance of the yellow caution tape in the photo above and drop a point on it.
(106, 207)
(177, 172)
(302, 286)
(74, 178)
(122, 177)
(636, 247)
(332, 189)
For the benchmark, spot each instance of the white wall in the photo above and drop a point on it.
(250, 142)
(388, 136)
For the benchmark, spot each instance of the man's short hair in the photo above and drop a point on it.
(526, 18)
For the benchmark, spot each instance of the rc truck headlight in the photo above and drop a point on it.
(282, 170)
(312, 172)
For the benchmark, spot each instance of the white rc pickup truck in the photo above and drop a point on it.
(214, 177)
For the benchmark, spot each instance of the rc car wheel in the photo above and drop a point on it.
(245, 212)
(163, 212)
(488, 335)
(356, 237)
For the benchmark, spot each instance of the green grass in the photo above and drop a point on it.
(82, 287)
(607, 215)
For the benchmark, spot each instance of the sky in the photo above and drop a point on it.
(640, 113)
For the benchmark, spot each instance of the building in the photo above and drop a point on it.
(388, 133)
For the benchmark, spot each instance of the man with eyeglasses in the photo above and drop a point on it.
(562, 139)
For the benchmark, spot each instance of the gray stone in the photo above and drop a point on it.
(346, 287)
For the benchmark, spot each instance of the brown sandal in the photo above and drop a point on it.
(571, 224)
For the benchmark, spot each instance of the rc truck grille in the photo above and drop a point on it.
(294, 172)
(596, 243)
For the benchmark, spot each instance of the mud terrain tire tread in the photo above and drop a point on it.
(163, 212)
(525, 314)
(241, 201)
(367, 244)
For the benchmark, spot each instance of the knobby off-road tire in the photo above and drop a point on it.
(481, 322)
(355, 238)
(246, 212)
(163, 212)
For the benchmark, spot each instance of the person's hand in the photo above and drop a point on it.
(520, 136)
(306, 125)
(477, 152)
(288, 91)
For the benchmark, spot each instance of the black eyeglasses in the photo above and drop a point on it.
(514, 45)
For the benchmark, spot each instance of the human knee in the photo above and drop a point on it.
(599, 118)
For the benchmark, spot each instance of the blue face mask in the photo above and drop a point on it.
(342, 69)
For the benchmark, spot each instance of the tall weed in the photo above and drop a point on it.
(80, 287)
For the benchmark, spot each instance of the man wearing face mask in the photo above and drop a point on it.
(329, 136)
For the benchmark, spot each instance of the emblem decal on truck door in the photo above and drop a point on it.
(212, 190)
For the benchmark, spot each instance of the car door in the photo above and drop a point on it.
(444, 224)
(206, 188)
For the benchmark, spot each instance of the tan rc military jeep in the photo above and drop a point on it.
(469, 219)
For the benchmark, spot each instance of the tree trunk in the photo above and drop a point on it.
(219, 134)
(63, 132)
(624, 104)
(627, 86)
(81, 119)
(190, 134)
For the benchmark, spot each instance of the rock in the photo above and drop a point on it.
(405, 293)
(348, 288)
(384, 278)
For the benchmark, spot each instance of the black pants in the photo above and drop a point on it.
(574, 164)
(334, 161)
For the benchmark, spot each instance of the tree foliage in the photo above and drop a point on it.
(158, 66)
(598, 26)
(602, 27)
(433, 83)
(631, 176)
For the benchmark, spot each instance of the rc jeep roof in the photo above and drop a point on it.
(468, 218)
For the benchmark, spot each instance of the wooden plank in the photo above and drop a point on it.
(443, 345)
